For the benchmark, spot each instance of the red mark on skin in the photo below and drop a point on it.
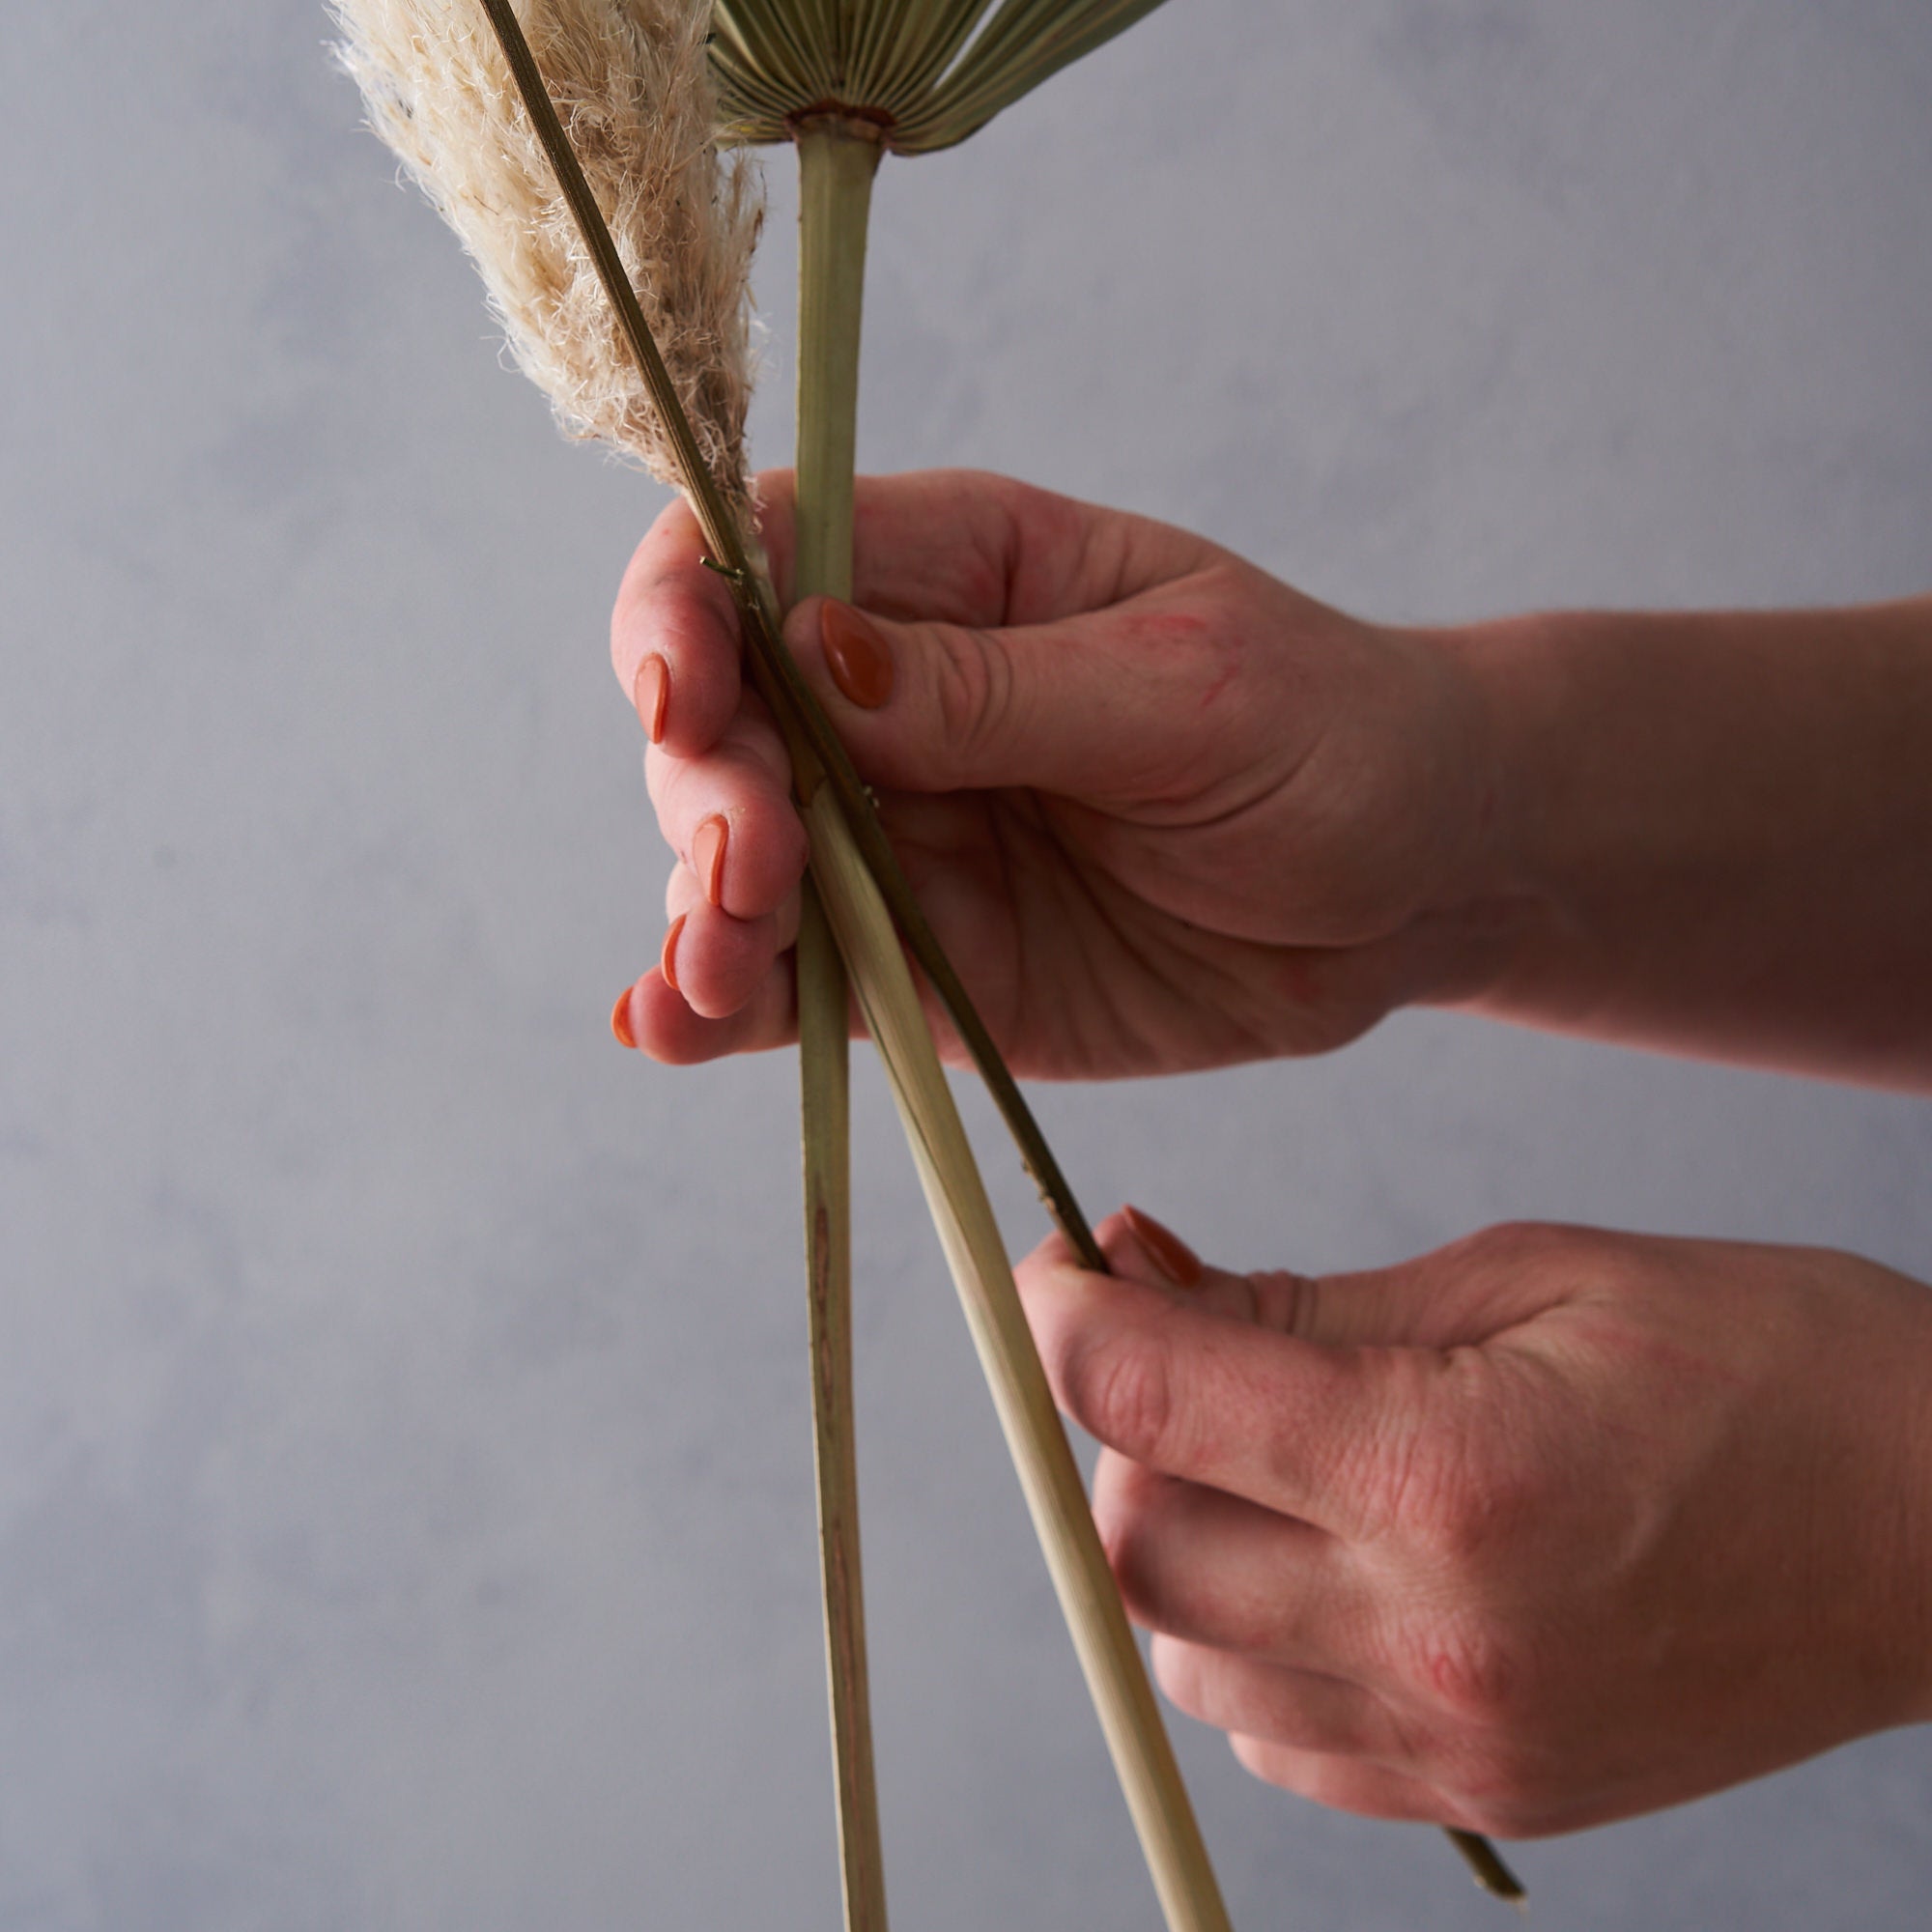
(1221, 679)
(1460, 1660)
(1212, 655)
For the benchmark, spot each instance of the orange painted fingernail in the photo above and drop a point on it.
(855, 654)
(667, 960)
(620, 1020)
(648, 692)
(1165, 1248)
(707, 855)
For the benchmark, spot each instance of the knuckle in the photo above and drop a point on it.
(1468, 1670)
(1513, 1247)
(1120, 1388)
(1453, 1492)
(1290, 1305)
(1461, 1520)
(1544, 1249)
(1474, 1719)
(974, 693)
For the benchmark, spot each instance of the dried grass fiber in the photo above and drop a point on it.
(632, 81)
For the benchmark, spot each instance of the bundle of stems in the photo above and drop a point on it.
(856, 916)
(845, 80)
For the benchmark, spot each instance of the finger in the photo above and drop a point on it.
(1217, 1570)
(674, 637)
(746, 950)
(1320, 1433)
(667, 1029)
(715, 962)
(1470, 1292)
(1344, 1783)
(1274, 1703)
(683, 892)
(1475, 1291)
(1106, 708)
(964, 547)
(729, 816)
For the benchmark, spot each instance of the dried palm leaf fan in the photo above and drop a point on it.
(845, 79)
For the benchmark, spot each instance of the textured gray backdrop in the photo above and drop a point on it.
(404, 1518)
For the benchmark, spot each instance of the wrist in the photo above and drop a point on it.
(1712, 826)
(1612, 829)
(1495, 903)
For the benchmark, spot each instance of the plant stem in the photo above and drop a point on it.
(1089, 1598)
(825, 1123)
(836, 162)
(836, 172)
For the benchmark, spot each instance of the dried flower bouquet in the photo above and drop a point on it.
(576, 155)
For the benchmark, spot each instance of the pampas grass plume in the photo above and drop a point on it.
(632, 81)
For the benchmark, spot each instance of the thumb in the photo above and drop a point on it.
(1307, 1431)
(1082, 706)
(1310, 1398)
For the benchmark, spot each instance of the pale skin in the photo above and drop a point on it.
(1552, 1526)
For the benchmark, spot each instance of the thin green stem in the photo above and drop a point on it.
(836, 162)
(825, 1121)
(837, 169)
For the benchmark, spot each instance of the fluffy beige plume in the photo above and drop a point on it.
(632, 81)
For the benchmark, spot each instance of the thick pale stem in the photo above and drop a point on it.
(1089, 1598)
(836, 180)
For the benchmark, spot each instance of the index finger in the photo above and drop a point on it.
(966, 547)
(674, 638)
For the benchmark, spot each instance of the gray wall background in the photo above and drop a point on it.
(405, 1514)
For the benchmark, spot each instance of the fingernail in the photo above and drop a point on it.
(856, 655)
(667, 960)
(1165, 1248)
(648, 692)
(707, 855)
(620, 1020)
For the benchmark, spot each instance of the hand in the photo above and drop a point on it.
(1545, 1529)
(1162, 812)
